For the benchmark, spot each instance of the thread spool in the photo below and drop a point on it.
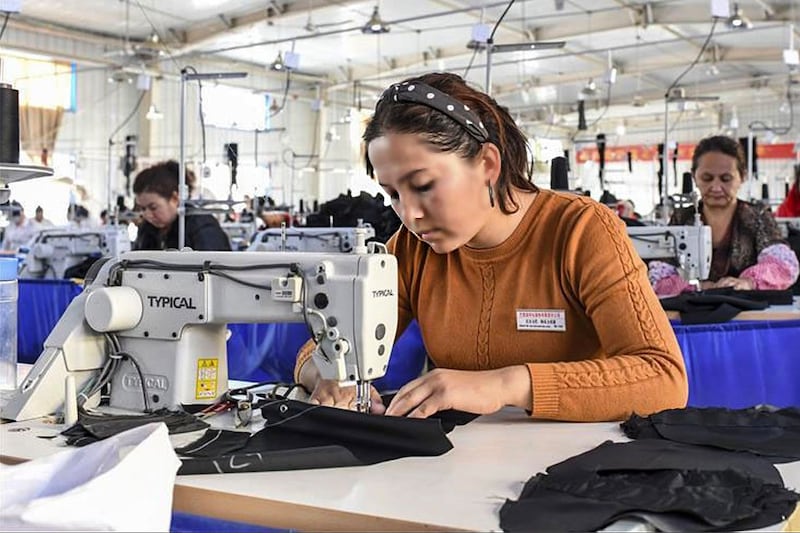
(9, 124)
(687, 184)
(559, 179)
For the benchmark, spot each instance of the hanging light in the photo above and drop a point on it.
(590, 88)
(375, 23)
(153, 113)
(737, 21)
(278, 64)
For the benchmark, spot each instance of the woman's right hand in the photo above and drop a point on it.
(329, 393)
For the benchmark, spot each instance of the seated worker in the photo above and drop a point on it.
(156, 190)
(748, 253)
(525, 297)
(19, 232)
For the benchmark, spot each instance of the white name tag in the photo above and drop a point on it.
(541, 320)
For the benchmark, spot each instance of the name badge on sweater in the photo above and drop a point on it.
(541, 320)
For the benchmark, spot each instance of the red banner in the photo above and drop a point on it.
(649, 152)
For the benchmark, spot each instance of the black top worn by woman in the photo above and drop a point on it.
(203, 232)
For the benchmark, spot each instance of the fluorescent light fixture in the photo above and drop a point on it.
(375, 24)
(525, 47)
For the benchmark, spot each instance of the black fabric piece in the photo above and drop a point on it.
(671, 500)
(653, 455)
(774, 434)
(93, 427)
(346, 210)
(704, 308)
(297, 435)
(772, 297)
(673, 486)
(215, 442)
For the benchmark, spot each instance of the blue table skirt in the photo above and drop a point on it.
(742, 363)
(40, 304)
(190, 523)
(736, 364)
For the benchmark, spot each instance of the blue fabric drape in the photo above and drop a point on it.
(40, 304)
(742, 363)
(736, 364)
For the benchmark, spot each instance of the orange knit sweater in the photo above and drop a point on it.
(603, 348)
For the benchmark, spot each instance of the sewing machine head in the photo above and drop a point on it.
(689, 247)
(54, 250)
(153, 324)
(325, 240)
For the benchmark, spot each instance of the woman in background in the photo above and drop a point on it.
(748, 252)
(156, 190)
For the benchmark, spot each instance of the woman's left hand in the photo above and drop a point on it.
(738, 284)
(480, 392)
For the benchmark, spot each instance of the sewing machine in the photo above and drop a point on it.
(785, 224)
(153, 325)
(689, 246)
(297, 239)
(239, 233)
(54, 250)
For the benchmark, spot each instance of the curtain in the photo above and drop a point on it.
(38, 131)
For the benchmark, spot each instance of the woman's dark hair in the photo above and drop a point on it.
(162, 179)
(447, 135)
(724, 145)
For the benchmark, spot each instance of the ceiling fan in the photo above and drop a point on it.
(312, 27)
(141, 52)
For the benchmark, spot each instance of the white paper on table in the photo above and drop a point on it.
(122, 483)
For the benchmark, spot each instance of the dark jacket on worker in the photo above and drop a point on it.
(203, 232)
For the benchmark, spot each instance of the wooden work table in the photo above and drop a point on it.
(462, 490)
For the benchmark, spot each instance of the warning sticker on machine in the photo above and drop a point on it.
(541, 320)
(206, 384)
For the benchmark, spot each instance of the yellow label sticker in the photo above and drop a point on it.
(206, 383)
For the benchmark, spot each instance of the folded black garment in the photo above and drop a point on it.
(703, 308)
(215, 442)
(92, 427)
(772, 433)
(772, 297)
(297, 435)
(673, 486)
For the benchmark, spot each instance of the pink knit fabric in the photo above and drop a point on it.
(777, 268)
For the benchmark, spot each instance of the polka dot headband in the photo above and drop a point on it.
(420, 93)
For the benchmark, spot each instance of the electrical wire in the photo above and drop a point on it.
(605, 109)
(696, 59)
(471, 60)
(491, 37)
(285, 94)
(5, 23)
(127, 119)
(774, 129)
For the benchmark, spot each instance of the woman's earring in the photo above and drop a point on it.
(491, 195)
